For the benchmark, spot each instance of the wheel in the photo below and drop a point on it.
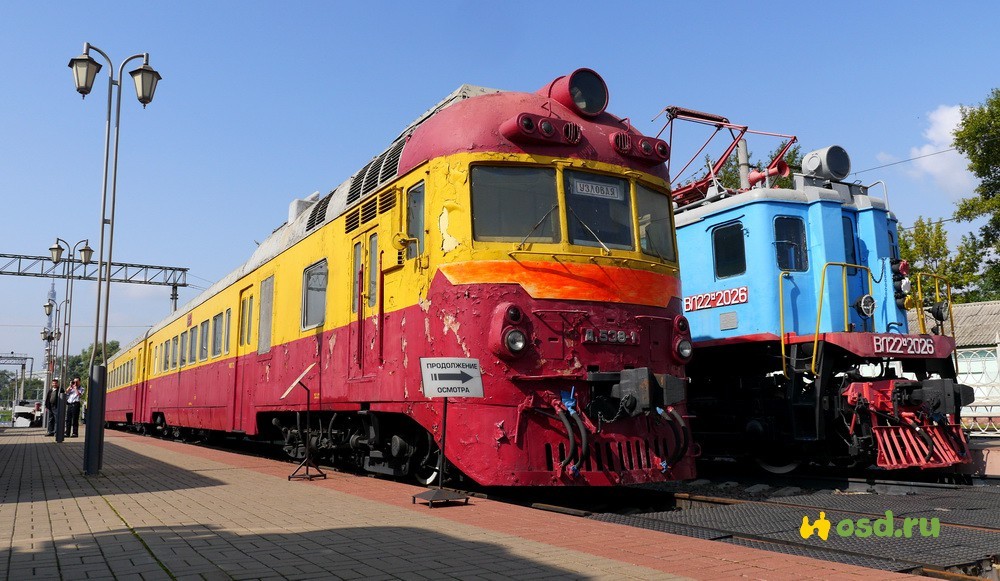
(425, 470)
(777, 465)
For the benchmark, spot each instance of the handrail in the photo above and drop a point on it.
(819, 312)
(822, 289)
(919, 300)
(622, 261)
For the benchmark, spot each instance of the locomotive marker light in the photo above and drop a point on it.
(444, 376)
(900, 281)
(85, 70)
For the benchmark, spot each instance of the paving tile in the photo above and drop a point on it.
(210, 514)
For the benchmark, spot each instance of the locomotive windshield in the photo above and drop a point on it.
(514, 204)
(523, 205)
(600, 210)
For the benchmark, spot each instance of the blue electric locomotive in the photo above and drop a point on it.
(797, 302)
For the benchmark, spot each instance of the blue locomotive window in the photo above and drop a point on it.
(790, 243)
(511, 204)
(415, 220)
(729, 250)
(656, 236)
(850, 248)
(599, 210)
(314, 281)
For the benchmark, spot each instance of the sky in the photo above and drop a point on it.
(264, 102)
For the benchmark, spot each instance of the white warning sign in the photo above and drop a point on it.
(451, 377)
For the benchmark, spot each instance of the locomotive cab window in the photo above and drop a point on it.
(511, 204)
(729, 250)
(790, 243)
(656, 233)
(850, 246)
(415, 220)
(599, 210)
(314, 280)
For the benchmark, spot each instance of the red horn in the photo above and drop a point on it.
(779, 169)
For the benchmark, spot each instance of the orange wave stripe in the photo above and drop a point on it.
(570, 281)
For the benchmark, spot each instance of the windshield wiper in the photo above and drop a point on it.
(592, 233)
(535, 227)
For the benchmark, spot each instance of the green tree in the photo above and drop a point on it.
(978, 138)
(925, 246)
(729, 174)
(78, 364)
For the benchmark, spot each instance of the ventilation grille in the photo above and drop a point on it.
(378, 171)
(369, 210)
(386, 201)
(352, 222)
(318, 214)
(391, 164)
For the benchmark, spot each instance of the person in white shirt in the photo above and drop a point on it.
(73, 394)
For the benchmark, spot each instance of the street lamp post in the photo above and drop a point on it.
(69, 271)
(51, 356)
(85, 70)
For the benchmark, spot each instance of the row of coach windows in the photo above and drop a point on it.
(790, 250)
(123, 374)
(210, 338)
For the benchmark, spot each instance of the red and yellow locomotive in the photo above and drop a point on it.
(530, 234)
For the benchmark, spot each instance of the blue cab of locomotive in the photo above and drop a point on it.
(755, 262)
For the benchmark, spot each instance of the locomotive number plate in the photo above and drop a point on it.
(616, 336)
(902, 345)
(722, 298)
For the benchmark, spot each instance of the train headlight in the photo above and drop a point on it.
(515, 340)
(583, 91)
(865, 306)
(684, 349)
(940, 311)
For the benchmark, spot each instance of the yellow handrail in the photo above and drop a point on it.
(819, 311)
(919, 299)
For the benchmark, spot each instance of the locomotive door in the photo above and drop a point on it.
(139, 380)
(857, 279)
(243, 381)
(364, 305)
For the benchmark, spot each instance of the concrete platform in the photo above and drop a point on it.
(166, 510)
(985, 453)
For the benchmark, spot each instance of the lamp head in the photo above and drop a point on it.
(48, 308)
(145, 78)
(85, 70)
(86, 253)
(56, 251)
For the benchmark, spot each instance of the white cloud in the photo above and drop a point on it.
(947, 170)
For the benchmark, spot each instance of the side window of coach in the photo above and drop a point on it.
(314, 281)
(729, 250)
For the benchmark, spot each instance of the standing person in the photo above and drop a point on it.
(73, 395)
(51, 401)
